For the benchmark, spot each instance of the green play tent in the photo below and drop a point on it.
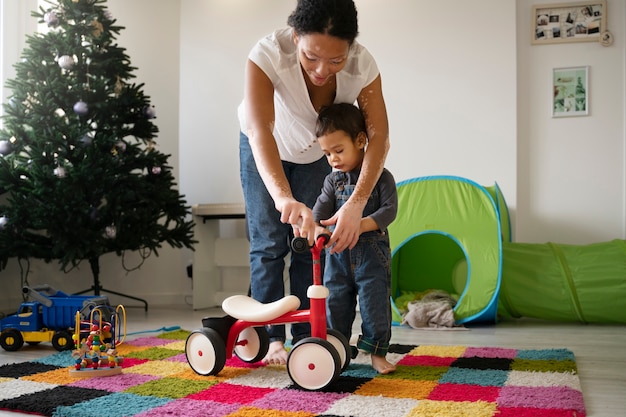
(453, 234)
(448, 235)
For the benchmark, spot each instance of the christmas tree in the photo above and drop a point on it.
(80, 173)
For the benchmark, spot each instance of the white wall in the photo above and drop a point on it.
(216, 37)
(466, 93)
(15, 23)
(449, 85)
(571, 170)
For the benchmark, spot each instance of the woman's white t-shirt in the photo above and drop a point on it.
(295, 116)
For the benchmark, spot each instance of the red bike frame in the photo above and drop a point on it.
(316, 315)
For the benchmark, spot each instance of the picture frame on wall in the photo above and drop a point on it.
(583, 21)
(570, 91)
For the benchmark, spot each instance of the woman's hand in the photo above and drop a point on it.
(299, 216)
(347, 223)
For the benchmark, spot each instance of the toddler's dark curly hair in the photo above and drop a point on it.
(340, 116)
(336, 18)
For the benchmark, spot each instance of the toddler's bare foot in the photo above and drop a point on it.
(276, 355)
(381, 364)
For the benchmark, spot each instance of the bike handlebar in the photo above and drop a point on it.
(301, 244)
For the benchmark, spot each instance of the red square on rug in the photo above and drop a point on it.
(463, 392)
(230, 394)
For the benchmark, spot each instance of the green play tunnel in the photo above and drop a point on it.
(585, 283)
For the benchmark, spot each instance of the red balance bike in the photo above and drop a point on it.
(313, 363)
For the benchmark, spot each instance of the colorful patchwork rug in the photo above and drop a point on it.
(429, 381)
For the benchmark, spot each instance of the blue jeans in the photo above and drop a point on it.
(364, 271)
(270, 239)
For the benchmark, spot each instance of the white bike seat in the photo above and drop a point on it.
(246, 308)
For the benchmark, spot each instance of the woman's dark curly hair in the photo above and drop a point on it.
(340, 116)
(336, 18)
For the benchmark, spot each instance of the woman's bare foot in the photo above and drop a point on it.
(381, 364)
(276, 354)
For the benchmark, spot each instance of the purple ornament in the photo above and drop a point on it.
(81, 108)
(51, 19)
(149, 112)
(5, 147)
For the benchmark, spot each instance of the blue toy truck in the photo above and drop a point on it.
(49, 316)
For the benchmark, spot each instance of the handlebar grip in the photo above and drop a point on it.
(299, 244)
(324, 236)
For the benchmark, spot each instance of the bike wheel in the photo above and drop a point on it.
(342, 345)
(252, 344)
(205, 351)
(313, 363)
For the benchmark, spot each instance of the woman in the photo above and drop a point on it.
(290, 75)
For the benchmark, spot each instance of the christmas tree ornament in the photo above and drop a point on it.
(13, 103)
(121, 145)
(98, 28)
(3, 222)
(5, 147)
(110, 232)
(66, 62)
(149, 112)
(117, 89)
(60, 172)
(51, 19)
(81, 108)
(86, 140)
(156, 170)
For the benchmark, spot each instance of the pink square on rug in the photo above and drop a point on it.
(536, 412)
(149, 341)
(185, 407)
(181, 357)
(116, 383)
(463, 392)
(490, 352)
(563, 398)
(410, 360)
(231, 394)
(294, 400)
